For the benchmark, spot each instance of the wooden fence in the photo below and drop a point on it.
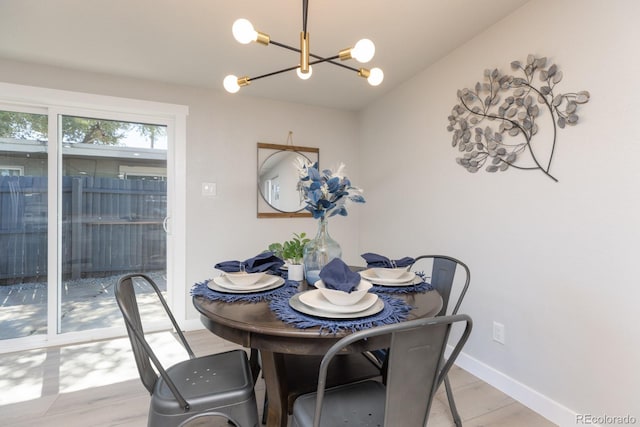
(109, 226)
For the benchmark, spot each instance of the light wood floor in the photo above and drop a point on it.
(96, 385)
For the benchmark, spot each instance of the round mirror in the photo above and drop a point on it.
(278, 181)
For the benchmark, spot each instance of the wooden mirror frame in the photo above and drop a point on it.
(264, 209)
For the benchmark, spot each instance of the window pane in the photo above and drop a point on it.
(23, 127)
(82, 130)
(114, 198)
(23, 224)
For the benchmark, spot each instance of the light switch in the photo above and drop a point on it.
(209, 189)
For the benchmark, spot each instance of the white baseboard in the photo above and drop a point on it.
(543, 405)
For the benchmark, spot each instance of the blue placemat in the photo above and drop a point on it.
(395, 310)
(420, 287)
(285, 291)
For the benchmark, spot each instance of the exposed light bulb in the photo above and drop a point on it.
(230, 84)
(243, 31)
(304, 76)
(363, 51)
(375, 77)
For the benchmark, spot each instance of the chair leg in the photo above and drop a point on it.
(452, 403)
(254, 363)
(265, 409)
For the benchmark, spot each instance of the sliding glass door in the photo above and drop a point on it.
(84, 198)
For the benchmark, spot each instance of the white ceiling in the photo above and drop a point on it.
(190, 42)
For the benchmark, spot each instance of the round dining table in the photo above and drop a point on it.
(255, 326)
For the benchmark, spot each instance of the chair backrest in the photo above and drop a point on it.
(416, 366)
(442, 277)
(146, 360)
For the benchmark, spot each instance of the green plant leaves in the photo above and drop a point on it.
(291, 250)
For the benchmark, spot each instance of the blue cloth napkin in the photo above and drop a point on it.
(375, 260)
(337, 275)
(262, 262)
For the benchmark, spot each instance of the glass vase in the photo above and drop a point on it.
(319, 251)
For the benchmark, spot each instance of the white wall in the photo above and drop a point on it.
(222, 133)
(226, 131)
(553, 262)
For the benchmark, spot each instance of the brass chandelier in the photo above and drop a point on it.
(362, 52)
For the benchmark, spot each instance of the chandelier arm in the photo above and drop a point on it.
(342, 65)
(285, 46)
(284, 70)
(331, 61)
(322, 59)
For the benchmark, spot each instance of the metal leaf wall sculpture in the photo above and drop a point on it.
(495, 122)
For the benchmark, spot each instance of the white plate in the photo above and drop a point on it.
(315, 299)
(406, 279)
(298, 305)
(264, 281)
(212, 284)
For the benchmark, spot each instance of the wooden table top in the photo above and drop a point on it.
(254, 325)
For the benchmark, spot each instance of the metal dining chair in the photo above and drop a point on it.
(443, 273)
(214, 385)
(416, 368)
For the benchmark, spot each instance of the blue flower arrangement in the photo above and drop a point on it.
(326, 193)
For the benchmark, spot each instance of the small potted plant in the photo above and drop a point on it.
(291, 252)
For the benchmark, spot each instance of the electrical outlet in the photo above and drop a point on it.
(498, 332)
